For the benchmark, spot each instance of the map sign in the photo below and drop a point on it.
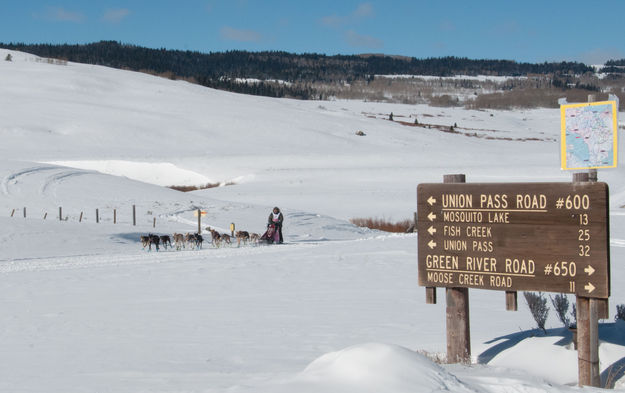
(589, 135)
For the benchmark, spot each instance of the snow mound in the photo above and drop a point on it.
(159, 173)
(375, 367)
(536, 355)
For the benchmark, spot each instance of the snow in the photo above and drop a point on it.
(159, 173)
(372, 367)
(337, 308)
(479, 78)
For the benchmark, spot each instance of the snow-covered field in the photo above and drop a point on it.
(336, 309)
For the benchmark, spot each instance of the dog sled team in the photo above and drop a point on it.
(195, 241)
(273, 235)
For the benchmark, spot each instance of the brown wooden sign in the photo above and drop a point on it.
(551, 237)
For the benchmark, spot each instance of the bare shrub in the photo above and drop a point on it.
(444, 100)
(561, 306)
(615, 372)
(436, 357)
(200, 187)
(382, 224)
(620, 312)
(537, 303)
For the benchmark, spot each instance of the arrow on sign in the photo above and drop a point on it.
(431, 201)
(432, 244)
(432, 216)
(589, 270)
(431, 230)
(589, 287)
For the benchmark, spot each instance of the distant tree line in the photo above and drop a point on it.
(224, 70)
(615, 63)
(614, 67)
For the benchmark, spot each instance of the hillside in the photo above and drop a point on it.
(309, 75)
(337, 308)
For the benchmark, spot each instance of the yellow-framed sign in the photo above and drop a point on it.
(589, 135)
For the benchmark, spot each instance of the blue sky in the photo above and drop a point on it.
(529, 30)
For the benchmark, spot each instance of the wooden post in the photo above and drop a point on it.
(593, 333)
(97, 216)
(60, 213)
(154, 223)
(114, 216)
(588, 324)
(458, 326)
(24, 212)
(511, 301)
(199, 221)
(588, 342)
(430, 295)
(80, 219)
(134, 215)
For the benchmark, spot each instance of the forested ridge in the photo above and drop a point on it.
(225, 70)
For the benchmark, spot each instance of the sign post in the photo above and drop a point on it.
(588, 312)
(511, 237)
(457, 312)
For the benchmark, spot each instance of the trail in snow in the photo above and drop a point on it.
(207, 253)
(13, 177)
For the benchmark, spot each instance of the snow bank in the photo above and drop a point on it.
(372, 367)
(159, 173)
(537, 355)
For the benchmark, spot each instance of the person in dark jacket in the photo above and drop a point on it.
(276, 218)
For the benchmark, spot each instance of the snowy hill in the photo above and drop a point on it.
(85, 309)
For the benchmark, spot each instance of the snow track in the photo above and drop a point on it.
(13, 177)
(54, 181)
(139, 258)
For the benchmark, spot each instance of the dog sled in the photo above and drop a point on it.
(271, 236)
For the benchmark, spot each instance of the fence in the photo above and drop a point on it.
(98, 216)
(83, 217)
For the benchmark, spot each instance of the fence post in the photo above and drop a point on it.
(12, 212)
(458, 328)
(114, 216)
(45, 215)
(199, 221)
(154, 223)
(97, 216)
(80, 219)
(134, 215)
(60, 213)
(24, 212)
